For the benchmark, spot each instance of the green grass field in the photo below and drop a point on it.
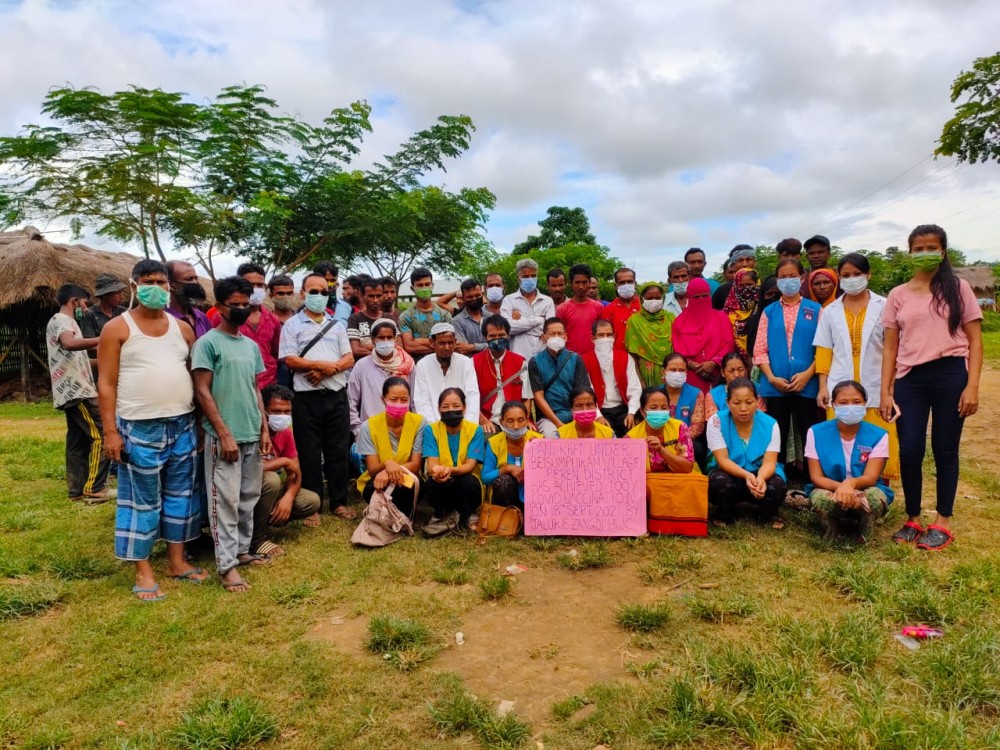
(751, 638)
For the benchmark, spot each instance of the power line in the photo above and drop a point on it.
(905, 172)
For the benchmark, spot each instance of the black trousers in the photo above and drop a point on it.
(463, 494)
(86, 466)
(402, 497)
(931, 387)
(616, 418)
(786, 408)
(321, 425)
(726, 492)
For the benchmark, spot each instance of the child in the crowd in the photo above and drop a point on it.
(846, 458)
(282, 498)
(454, 449)
(583, 405)
(225, 365)
(503, 471)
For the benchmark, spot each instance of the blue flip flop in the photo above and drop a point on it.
(188, 575)
(139, 590)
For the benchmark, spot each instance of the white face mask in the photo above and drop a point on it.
(385, 348)
(257, 296)
(675, 379)
(494, 294)
(854, 285)
(604, 346)
(681, 289)
(652, 306)
(555, 344)
(626, 291)
(279, 422)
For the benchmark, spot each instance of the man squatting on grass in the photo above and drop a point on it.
(147, 409)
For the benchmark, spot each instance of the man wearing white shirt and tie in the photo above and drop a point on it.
(445, 369)
(527, 310)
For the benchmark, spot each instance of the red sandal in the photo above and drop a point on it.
(910, 532)
(935, 538)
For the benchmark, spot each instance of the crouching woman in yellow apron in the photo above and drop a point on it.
(676, 490)
(454, 450)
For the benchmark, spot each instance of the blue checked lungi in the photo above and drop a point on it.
(156, 498)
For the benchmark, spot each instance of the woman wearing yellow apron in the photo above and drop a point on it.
(503, 471)
(454, 450)
(583, 403)
(849, 341)
(676, 490)
(391, 444)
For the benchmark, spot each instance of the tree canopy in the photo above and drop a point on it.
(561, 226)
(973, 134)
(147, 167)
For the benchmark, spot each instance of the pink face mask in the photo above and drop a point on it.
(585, 416)
(396, 411)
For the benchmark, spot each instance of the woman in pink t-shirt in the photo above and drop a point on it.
(932, 360)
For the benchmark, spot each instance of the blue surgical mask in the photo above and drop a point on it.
(494, 294)
(789, 287)
(517, 434)
(850, 413)
(529, 285)
(657, 419)
(316, 303)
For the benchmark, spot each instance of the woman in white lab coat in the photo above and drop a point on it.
(848, 343)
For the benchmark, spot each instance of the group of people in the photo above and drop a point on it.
(246, 417)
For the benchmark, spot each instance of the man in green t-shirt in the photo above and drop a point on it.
(225, 365)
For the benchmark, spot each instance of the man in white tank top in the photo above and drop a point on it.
(147, 408)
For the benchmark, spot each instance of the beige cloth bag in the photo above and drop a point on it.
(382, 522)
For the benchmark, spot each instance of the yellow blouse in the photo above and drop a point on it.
(855, 326)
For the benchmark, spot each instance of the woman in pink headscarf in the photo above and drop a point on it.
(702, 335)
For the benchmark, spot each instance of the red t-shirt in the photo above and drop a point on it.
(284, 444)
(618, 313)
(579, 318)
(267, 336)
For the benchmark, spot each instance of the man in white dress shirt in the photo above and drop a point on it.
(446, 369)
(527, 310)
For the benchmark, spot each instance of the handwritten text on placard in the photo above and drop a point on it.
(585, 488)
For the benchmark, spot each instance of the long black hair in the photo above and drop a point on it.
(945, 289)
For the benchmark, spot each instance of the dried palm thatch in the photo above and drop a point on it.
(32, 269)
(980, 278)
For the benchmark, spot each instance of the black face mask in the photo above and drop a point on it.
(452, 418)
(474, 305)
(239, 315)
(191, 291)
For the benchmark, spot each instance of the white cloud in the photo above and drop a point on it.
(674, 124)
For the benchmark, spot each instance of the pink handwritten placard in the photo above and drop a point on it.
(585, 488)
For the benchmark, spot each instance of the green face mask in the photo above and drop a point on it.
(423, 293)
(152, 297)
(78, 313)
(928, 260)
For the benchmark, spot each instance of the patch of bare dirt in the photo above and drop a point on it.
(554, 639)
(347, 634)
(981, 434)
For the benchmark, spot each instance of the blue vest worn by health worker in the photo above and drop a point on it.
(749, 455)
(684, 408)
(718, 394)
(830, 449)
(803, 352)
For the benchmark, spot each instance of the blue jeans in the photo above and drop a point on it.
(931, 387)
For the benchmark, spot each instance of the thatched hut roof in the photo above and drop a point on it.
(980, 278)
(32, 269)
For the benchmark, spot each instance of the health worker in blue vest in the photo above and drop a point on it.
(846, 458)
(744, 442)
(685, 402)
(785, 354)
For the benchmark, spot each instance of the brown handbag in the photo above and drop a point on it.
(498, 520)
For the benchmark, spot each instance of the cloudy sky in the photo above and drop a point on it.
(673, 124)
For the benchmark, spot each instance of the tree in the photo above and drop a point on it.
(146, 167)
(562, 226)
(973, 134)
